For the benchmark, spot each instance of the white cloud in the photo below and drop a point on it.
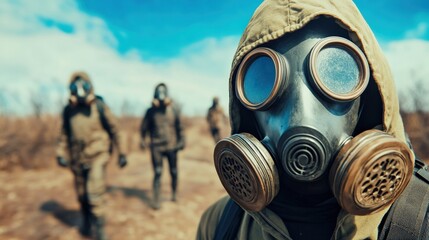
(417, 32)
(409, 62)
(36, 59)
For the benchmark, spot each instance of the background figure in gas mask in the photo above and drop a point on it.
(318, 149)
(216, 118)
(89, 129)
(162, 122)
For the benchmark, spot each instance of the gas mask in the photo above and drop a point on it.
(305, 96)
(161, 95)
(80, 91)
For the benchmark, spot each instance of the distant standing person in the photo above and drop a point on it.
(162, 122)
(215, 118)
(88, 131)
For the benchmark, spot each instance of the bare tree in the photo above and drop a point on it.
(37, 104)
(127, 109)
(418, 97)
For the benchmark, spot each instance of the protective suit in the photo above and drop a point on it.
(216, 118)
(88, 133)
(162, 122)
(318, 149)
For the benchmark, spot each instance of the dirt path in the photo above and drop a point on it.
(42, 204)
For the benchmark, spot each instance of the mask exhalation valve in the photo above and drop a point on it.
(304, 155)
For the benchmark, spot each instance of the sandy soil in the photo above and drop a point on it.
(41, 204)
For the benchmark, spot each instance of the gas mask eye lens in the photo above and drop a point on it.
(260, 78)
(161, 93)
(86, 86)
(339, 69)
(73, 88)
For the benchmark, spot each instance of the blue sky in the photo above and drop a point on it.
(130, 46)
(160, 30)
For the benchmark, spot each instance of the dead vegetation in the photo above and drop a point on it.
(40, 202)
(29, 143)
(416, 126)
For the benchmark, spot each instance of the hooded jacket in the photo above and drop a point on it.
(162, 121)
(215, 116)
(83, 136)
(272, 20)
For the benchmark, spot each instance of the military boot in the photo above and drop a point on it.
(174, 188)
(99, 233)
(174, 196)
(156, 196)
(85, 227)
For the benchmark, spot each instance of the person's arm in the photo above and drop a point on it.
(179, 130)
(63, 141)
(145, 128)
(225, 118)
(115, 135)
(208, 117)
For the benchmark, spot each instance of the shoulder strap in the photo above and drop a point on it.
(229, 223)
(408, 216)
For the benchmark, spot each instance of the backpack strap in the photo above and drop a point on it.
(408, 216)
(230, 221)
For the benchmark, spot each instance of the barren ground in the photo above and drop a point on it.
(41, 204)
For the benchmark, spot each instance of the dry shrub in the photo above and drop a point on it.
(416, 126)
(30, 142)
(130, 129)
(27, 142)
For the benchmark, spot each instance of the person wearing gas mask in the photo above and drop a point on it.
(215, 118)
(162, 122)
(88, 131)
(318, 149)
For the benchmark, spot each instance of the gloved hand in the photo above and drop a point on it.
(180, 144)
(122, 161)
(143, 145)
(62, 162)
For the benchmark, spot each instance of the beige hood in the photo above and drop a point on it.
(83, 75)
(80, 74)
(275, 18)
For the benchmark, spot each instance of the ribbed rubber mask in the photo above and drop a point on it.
(368, 174)
(306, 119)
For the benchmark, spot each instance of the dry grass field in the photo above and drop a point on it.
(38, 201)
